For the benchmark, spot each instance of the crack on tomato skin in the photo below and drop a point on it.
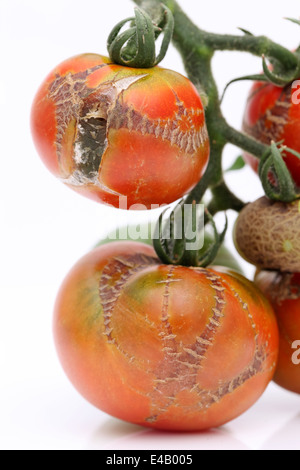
(165, 372)
(123, 268)
(78, 179)
(244, 306)
(90, 108)
(189, 140)
(257, 366)
(277, 117)
(68, 92)
(210, 397)
(278, 120)
(204, 341)
(179, 368)
(96, 111)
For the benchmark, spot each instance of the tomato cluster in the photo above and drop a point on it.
(267, 232)
(164, 346)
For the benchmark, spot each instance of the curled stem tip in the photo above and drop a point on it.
(180, 237)
(135, 47)
(276, 179)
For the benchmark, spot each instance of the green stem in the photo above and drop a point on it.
(211, 177)
(197, 48)
(256, 45)
(223, 199)
(244, 142)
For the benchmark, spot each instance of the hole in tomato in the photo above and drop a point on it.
(91, 141)
(90, 145)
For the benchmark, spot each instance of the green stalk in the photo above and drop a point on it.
(197, 48)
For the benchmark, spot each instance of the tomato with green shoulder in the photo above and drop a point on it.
(163, 346)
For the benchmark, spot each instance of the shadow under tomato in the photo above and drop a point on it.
(287, 438)
(118, 435)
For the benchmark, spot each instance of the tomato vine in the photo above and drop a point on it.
(91, 128)
(197, 48)
(119, 127)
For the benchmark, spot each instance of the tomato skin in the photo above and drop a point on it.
(166, 347)
(283, 291)
(272, 114)
(109, 131)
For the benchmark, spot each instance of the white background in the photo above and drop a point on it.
(45, 228)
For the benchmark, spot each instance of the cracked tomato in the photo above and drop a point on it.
(167, 347)
(109, 131)
(283, 290)
(273, 114)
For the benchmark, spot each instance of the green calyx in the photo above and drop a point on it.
(279, 77)
(135, 47)
(197, 48)
(275, 176)
(180, 238)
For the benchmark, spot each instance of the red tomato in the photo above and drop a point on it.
(283, 290)
(109, 131)
(167, 347)
(273, 113)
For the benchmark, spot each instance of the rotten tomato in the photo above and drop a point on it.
(266, 234)
(109, 131)
(273, 114)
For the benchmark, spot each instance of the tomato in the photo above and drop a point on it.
(109, 131)
(166, 347)
(266, 234)
(143, 232)
(273, 113)
(283, 290)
